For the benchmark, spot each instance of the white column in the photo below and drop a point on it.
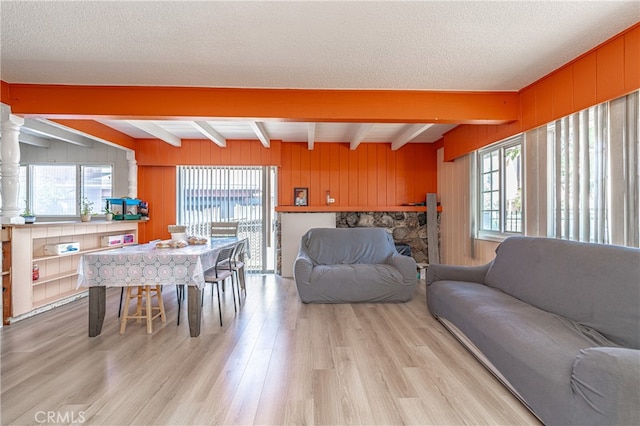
(10, 167)
(133, 175)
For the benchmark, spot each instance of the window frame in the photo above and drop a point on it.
(478, 210)
(28, 185)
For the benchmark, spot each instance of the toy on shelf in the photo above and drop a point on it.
(125, 208)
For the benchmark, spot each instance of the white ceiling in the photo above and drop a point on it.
(418, 45)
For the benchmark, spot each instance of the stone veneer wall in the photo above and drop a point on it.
(406, 227)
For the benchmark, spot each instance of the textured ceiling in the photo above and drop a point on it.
(423, 45)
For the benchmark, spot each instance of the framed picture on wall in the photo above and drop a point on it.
(301, 196)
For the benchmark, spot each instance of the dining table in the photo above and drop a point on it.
(148, 264)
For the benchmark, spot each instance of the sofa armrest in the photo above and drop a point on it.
(473, 274)
(302, 268)
(407, 267)
(607, 379)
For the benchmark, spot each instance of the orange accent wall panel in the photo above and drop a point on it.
(632, 60)
(604, 73)
(157, 186)
(353, 174)
(5, 93)
(381, 173)
(563, 92)
(584, 82)
(464, 139)
(154, 152)
(372, 175)
(544, 101)
(610, 70)
(528, 105)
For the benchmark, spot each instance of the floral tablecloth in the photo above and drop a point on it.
(145, 264)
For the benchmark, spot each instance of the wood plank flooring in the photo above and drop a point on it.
(276, 362)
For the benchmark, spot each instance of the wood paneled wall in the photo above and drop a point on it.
(371, 175)
(157, 173)
(157, 186)
(201, 152)
(456, 245)
(604, 73)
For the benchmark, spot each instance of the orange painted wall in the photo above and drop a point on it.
(157, 186)
(157, 173)
(5, 93)
(198, 152)
(371, 175)
(609, 71)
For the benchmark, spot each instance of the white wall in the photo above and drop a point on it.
(293, 226)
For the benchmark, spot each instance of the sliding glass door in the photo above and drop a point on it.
(231, 194)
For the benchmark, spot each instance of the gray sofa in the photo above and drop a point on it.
(346, 265)
(557, 321)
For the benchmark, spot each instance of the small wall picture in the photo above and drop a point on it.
(300, 195)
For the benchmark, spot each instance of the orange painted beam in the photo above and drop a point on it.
(144, 102)
(99, 130)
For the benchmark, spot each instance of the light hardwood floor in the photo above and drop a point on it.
(278, 361)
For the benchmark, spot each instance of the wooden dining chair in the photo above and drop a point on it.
(217, 275)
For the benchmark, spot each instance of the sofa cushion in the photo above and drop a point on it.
(595, 285)
(331, 246)
(358, 283)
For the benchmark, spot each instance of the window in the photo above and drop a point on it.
(60, 186)
(580, 171)
(245, 195)
(595, 165)
(96, 184)
(500, 189)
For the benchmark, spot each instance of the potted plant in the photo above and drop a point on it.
(86, 209)
(108, 214)
(27, 214)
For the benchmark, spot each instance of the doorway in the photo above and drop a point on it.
(231, 194)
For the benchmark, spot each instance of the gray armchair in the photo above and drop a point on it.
(346, 265)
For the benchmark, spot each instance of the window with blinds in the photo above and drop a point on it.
(595, 168)
(208, 194)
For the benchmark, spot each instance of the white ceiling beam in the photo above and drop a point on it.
(361, 133)
(311, 139)
(261, 133)
(55, 131)
(410, 132)
(156, 131)
(207, 130)
(33, 140)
